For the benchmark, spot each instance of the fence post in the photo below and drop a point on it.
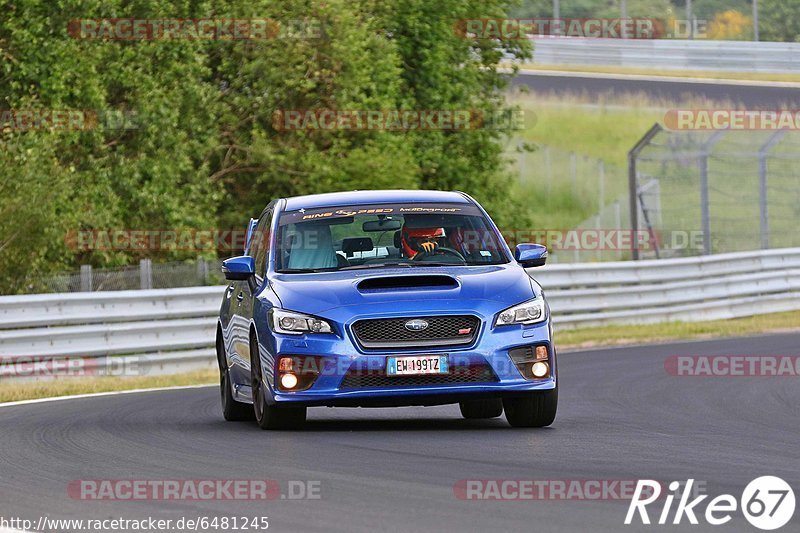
(146, 274)
(763, 152)
(573, 172)
(762, 197)
(601, 176)
(618, 223)
(202, 271)
(597, 252)
(86, 278)
(705, 213)
(633, 182)
(548, 168)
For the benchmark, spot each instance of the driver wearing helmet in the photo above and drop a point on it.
(417, 240)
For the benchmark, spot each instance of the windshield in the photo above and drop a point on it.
(384, 235)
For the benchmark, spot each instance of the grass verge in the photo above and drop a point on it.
(673, 331)
(565, 192)
(606, 127)
(67, 386)
(593, 130)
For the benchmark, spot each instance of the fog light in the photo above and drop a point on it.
(539, 370)
(288, 381)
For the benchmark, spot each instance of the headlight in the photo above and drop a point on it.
(297, 323)
(531, 312)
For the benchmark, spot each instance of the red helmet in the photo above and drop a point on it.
(412, 238)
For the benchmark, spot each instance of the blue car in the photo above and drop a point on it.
(384, 298)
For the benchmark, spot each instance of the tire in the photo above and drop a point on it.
(481, 409)
(270, 416)
(232, 410)
(534, 410)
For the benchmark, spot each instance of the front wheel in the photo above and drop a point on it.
(533, 410)
(270, 416)
(232, 410)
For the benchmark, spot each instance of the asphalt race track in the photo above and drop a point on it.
(621, 417)
(755, 96)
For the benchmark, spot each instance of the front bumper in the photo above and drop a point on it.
(490, 347)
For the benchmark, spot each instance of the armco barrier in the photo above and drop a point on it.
(172, 330)
(669, 54)
(689, 289)
(160, 331)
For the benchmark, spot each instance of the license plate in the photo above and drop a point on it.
(414, 365)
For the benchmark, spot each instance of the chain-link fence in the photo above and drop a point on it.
(695, 193)
(588, 178)
(704, 192)
(584, 198)
(145, 275)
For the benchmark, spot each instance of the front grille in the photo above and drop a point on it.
(478, 373)
(392, 332)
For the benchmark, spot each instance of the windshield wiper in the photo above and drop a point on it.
(304, 270)
(376, 265)
(398, 264)
(436, 264)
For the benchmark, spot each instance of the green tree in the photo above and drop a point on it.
(198, 148)
(150, 171)
(445, 70)
(350, 66)
(708, 9)
(374, 55)
(779, 20)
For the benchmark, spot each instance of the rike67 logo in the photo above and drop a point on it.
(767, 502)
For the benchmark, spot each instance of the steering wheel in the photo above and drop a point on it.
(441, 250)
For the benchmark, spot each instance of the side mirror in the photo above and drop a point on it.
(531, 255)
(239, 268)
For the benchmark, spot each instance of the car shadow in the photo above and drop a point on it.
(403, 424)
(349, 425)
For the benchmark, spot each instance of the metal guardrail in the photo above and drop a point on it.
(687, 289)
(669, 54)
(161, 331)
(172, 330)
(101, 307)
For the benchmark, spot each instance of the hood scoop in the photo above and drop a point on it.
(407, 283)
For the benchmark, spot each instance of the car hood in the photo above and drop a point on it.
(315, 293)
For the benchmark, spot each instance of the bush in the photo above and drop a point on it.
(198, 149)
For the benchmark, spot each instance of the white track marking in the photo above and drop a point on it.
(98, 395)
